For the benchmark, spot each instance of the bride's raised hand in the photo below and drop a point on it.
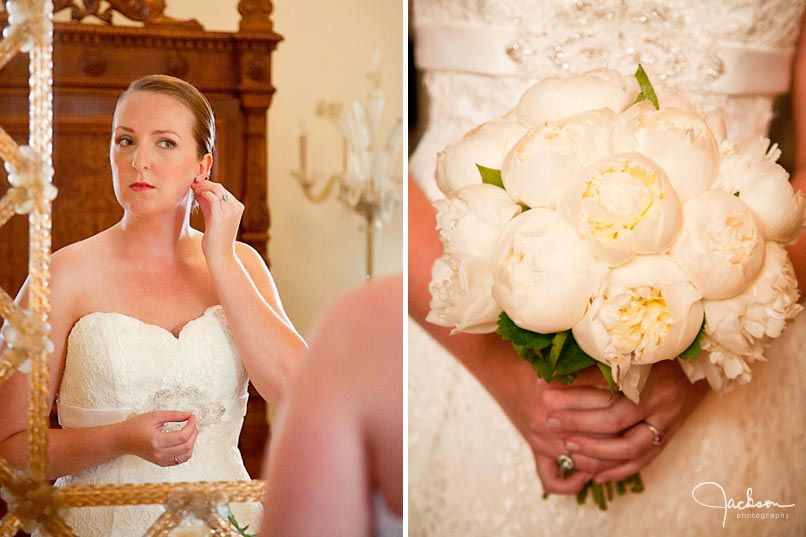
(668, 398)
(222, 215)
(147, 436)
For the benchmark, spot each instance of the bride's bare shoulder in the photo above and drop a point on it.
(86, 253)
(77, 268)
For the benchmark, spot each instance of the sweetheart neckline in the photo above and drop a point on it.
(177, 336)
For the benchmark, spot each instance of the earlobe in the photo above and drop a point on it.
(205, 167)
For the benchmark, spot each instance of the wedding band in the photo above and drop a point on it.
(657, 434)
(565, 465)
(176, 460)
(225, 197)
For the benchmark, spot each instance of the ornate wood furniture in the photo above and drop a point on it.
(93, 64)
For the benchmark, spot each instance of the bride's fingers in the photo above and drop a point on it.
(620, 415)
(553, 483)
(188, 444)
(550, 448)
(593, 465)
(181, 436)
(580, 398)
(629, 468)
(633, 445)
(217, 189)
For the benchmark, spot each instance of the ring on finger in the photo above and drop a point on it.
(565, 465)
(176, 460)
(657, 434)
(225, 197)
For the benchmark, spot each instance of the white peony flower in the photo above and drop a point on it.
(460, 295)
(666, 135)
(738, 328)
(721, 368)
(487, 145)
(469, 221)
(646, 311)
(543, 274)
(554, 98)
(623, 205)
(721, 245)
(750, 171)
(536, 170)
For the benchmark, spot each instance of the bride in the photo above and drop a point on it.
(482, 425)
(157, 328)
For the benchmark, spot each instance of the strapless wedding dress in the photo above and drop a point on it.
(470, 472)
(118, 366)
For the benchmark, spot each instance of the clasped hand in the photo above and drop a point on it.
(147, 437)
(606, 436)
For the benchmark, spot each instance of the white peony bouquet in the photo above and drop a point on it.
(605, 222)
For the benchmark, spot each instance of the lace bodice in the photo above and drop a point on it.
(731, 55)
(117, 367)
(111, 357)
(758, 23)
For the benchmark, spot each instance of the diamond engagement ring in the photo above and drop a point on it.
(657, 434)
(565, 465)
(176, 460)
(225, 197)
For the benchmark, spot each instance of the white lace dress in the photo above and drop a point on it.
(470, 472)
(118, 366)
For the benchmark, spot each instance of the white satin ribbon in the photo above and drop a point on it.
(482, 50)
(73, 417)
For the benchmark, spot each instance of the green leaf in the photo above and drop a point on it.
(608, 375)
(647, 91)
(635, 483)
(565, 379)
(522, 350)
(536, 360)
(583, 493)
(557, 344)
(490, 176)
(519, 336)
(693, 350)
(598, 496)
(603, 492)
(240, 530)
(541, 366)
(573, 359)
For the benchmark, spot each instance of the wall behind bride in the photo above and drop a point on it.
(317, 252)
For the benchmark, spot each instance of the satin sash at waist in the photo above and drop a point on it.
(73, 417)
(482, 50)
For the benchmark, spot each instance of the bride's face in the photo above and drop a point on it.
(153, 153)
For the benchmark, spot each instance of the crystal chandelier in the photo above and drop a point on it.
(371, 176)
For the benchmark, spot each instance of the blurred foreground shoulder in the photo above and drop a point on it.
(366, 324)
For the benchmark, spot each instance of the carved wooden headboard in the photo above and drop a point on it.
(93, 64)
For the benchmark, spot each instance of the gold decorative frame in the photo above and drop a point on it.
(31, 499)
